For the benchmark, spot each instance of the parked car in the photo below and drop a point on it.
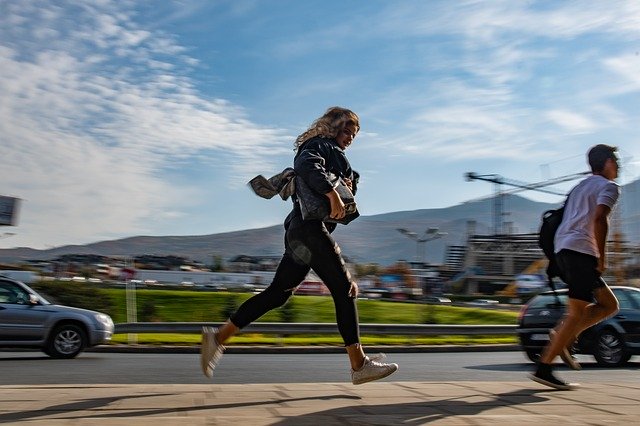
(436, 299)
(28, 320)
(483, 302)
(612, 342)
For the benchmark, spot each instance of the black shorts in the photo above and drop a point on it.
(580, 272)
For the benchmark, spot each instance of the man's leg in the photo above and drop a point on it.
(566, 332)
(605, 306)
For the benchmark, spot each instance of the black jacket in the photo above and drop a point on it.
(318, 157)
(315, 159)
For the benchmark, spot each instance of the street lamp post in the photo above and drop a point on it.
(429, 235)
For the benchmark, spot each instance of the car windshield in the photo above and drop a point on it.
(547, 300)
(634, 296)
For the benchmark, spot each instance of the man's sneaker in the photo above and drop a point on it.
(566, 355)
(544, 375)
(372, 370)
(210, 351)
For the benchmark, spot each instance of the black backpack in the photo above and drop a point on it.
(551, 220)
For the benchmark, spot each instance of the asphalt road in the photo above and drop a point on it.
(25, 368)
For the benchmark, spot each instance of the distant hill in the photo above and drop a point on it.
(369, 239)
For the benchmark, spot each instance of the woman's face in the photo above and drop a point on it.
(345, 136)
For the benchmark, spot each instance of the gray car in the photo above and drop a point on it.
(28, 320)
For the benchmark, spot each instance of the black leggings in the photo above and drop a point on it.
(308, 245)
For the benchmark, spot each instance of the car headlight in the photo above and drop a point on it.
(105, 320)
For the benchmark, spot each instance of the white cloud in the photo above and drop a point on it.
(571, 121)
(627, 66)
(91, 118)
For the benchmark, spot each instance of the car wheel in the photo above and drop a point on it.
(533, 355)
(609, 349)
(66, 341)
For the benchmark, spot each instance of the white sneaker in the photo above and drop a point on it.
(372, 370)
(210, 351)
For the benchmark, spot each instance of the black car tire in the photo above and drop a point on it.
(66, 341)
(533, 355)
(609, 349)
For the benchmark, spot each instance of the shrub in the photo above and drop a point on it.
(75, 294)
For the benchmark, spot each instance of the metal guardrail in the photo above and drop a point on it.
(320, 328)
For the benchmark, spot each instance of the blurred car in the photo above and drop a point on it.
(436, 299)
(483, 302)
(375, 293)
(612, 342)
(28, 320)
(312, 288)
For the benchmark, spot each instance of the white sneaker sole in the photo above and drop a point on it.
(207, 351)
(373, 378)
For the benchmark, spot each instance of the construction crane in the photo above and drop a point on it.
(499, 181)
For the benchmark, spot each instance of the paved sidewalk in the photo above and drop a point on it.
(380, 403)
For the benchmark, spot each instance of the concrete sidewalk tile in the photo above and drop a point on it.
(500, 388)
(315, 386)
(386, 420)
(443, 421)
(314, 420)
(308, 411)
(562, 409)
(385, 393)
(536, 420)
(456, 403)
(619, 409)
(440, 389)
(406, 409)
(590, 397)
(475, 409)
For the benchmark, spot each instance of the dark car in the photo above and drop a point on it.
(612, 342)
(28, 320)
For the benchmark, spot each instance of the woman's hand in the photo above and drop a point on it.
(353, 290)
(348, 183)
(337, 206)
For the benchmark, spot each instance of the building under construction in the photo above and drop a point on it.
(488, 264)
(492, 261)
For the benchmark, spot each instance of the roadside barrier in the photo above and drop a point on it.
(320, 328)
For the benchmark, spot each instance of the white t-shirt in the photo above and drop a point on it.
(576, 232)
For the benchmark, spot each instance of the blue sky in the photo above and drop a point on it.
(123, 118)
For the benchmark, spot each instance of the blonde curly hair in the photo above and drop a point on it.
(328, 126)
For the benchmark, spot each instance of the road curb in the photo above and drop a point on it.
(305, 349)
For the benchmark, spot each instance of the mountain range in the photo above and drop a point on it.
(369, 239)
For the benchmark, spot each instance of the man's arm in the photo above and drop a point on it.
(601, 228)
